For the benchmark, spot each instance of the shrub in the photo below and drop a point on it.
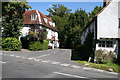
(81, 52)
(105, 57)
(35, 46)
(11, 44)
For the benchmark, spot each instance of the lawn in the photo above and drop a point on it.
(107, 67)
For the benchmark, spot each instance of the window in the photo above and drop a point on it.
(33, 16)
(105, 43)
(53, 24)
(109, 43)
(101, 43)
(50, 23)
(45, 20)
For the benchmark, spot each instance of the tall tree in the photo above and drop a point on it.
(68, 24)
(59, 10)
(95, 11)
(12, 17)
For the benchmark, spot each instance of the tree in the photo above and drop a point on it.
(68, 24)
(95, 11)
(12, 17)
(59, 10)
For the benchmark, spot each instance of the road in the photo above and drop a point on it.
(54, 63)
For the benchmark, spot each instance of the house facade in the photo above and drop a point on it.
(39, 20)
(106, 28)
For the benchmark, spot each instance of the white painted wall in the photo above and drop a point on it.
(107, 22)
(24, 31)
(49, 34)
(56, 35)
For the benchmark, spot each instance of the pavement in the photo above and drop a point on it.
(48, 64)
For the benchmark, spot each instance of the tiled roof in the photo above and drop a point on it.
(39, 19)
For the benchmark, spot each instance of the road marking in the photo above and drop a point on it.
(1, 53)
(23, 57)
(69, 75)
(17, 56)
(85, 68)
(12, 55)
(55, 62)
(75, 66)
(37, 60)
(4, 54)
(64, 64)
(42, 55)
(3, 62)
(30, 58)
(45, 61)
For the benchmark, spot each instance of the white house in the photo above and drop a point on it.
(106, 28)
(39, 20)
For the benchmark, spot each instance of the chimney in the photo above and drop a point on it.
(105, 2)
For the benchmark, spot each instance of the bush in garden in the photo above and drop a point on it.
(81, 52)
(105, 57)
(11, 44)
(35, 46)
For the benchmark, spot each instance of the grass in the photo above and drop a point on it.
(106, 67)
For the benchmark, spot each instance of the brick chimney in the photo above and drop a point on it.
(105, 2)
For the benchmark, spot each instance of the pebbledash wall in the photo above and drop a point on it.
(106, 28)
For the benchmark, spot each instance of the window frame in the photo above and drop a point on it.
(33, 16)
(106, 43)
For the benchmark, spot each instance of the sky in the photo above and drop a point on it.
(43, 6)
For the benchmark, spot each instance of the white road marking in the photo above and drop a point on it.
(85, 68)
(23, 57)
(69, 75)
(30, 58)
(17, 56)
(43, 55)
(37, 60)
(64, 64)
(3, 62)
(12, 55)
(55, 62)
(1, 53)
(4, 54)
(75, 66)
(45, 61)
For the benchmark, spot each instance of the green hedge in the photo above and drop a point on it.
(11, 44)
(35, 46)
(81, 52)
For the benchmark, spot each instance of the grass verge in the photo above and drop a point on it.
(107, 67)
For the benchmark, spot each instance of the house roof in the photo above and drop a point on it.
(39, 20)
(94, 18)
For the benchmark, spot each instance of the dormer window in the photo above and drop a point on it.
(33, 16)
(45, 19)
(50, 23)
(53, 24)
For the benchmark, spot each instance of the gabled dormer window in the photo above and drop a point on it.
(50, 23)
(33, 16)
(53, 24)
(45, 19)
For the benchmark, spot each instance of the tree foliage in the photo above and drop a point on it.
(12, 17)
(59, 10)
(68, 24)
(95, 11)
